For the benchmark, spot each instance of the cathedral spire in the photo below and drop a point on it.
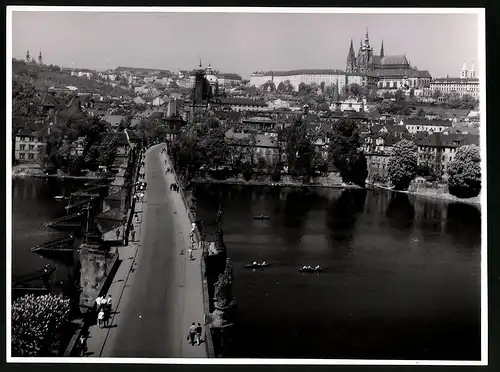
(367, 39)
(351, 49)
(40, 58)
(382, 50)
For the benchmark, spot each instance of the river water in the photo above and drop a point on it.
(401, 280)
(33, 204)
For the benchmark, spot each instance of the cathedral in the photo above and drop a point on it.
(366, 61)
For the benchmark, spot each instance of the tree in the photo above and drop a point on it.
(402, 166)
(276, 175)
(322, 86)
(465, 172)
(386, 106)
(36, 321)
(421, 112)
(454, 101)
(355, 89)
(344, 152)
(436, 94)
(399, 95)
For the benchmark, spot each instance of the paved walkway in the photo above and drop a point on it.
(157, 290)
(127, 256)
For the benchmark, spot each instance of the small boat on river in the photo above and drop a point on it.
(257, 265)
(61, 197)
(261, 217)
(309, 269)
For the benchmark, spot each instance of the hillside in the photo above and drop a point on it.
(44, 77)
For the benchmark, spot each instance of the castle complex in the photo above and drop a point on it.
(365, 69)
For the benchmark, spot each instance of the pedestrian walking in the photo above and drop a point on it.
(109, 302)
(133, 235)
(98, 302)
(117, 234)
(100, 318)
(192, 333)
(199, 331)
(190, 251)
(107, 315)
(83, 345)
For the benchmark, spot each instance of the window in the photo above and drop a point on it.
(22, 147)
(21, 155)
(31, 156)
(31, 147)
(27, 139)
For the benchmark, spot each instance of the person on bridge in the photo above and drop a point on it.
(133, 235)
(199, 331)
(100, 318)
(192, 333)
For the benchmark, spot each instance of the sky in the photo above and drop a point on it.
(242, 42)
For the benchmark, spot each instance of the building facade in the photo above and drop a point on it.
(28, 148)
(309, 76)
(460, 86)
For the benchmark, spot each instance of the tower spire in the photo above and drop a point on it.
(27, 58)
(40, 58)
(382, 50)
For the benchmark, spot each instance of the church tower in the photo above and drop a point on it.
(27, 59)
(40, 59)
(351, 60)
(472, 71)
(464, 73)
(365, 55)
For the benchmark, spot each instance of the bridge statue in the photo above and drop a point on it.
(224, 301)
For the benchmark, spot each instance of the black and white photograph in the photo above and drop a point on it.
(246, 185)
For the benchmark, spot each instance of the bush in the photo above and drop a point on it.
(36, 322)
(465, 172)
(403, 164)
(276, 176)
(248, 174)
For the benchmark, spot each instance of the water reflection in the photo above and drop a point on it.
(400, 211)
(343, 213)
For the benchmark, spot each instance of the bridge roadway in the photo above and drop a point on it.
(163, 293)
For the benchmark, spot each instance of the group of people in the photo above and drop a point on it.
(139, 196)
(191, 241)
(317, 267)
(174, 186)
(142, 176)
(194, 334)
(103, 310)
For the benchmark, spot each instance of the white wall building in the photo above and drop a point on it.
(307, 77)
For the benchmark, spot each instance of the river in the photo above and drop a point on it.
(401, 280)
(33, 204)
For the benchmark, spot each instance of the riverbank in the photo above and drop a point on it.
(267, 183)
(35, 172)
(435, 194)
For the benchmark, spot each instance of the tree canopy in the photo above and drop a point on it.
(344, 152)
(36, 321)
(464, 172)
(402, 167)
